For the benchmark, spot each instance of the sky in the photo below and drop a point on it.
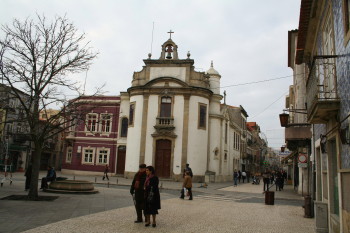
(246, 40)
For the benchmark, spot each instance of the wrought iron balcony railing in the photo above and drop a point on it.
(321, 87)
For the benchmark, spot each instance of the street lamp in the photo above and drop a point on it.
(284, 118)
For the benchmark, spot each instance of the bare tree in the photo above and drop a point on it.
(36, 58)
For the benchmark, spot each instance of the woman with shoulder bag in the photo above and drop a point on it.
(187, 185)
(152, 196)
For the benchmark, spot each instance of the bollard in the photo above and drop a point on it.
(269, 198)
(308, 213)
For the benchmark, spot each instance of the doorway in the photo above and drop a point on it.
(121, 160)
(163, 158)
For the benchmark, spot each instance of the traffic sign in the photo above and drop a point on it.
(302, 158)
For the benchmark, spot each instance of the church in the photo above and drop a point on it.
(175, 116)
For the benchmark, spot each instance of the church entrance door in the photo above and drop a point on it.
(121, 160)
(163, 158)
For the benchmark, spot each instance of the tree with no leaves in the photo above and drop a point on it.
(36, 58)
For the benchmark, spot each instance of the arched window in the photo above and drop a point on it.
(165, 107)
(124, 128)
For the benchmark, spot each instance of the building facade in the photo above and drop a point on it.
(175, 117)
(91, 143)
(323, 47)
(15, 144)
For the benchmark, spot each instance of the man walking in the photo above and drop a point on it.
(137, 191)
(244, 175)
(266, 179)
(105, 174)
(188, 169)
(235, 178)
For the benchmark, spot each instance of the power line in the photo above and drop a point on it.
(271, 104)
(261, 81)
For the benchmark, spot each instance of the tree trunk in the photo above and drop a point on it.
(33, 190)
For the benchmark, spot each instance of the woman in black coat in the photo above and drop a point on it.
(152, 196)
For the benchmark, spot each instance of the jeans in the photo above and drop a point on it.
(235, 181)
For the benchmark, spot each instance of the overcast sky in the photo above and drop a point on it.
(247, 41)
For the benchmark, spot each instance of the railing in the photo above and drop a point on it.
(165, 121)
(321, 83)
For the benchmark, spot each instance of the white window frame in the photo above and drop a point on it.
(99, 154)
(69, 154)
(93, 150)
(94, 127)
(102, 120)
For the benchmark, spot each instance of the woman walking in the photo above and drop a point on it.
(152, 197)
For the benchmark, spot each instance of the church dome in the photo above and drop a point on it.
(212, 70)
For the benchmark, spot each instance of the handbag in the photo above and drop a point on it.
(150, 197)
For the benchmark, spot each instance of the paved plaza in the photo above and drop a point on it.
(218, 208)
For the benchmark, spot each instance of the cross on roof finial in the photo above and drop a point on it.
(170, 33)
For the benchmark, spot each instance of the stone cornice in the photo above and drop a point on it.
(168, 62)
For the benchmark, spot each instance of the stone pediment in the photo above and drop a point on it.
(166, 82)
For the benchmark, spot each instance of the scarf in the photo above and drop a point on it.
(148, 180)
(137, 180)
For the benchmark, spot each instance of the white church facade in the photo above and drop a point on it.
(175, 116)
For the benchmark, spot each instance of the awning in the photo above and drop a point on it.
(289, 156)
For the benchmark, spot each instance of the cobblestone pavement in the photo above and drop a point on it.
(218, 208)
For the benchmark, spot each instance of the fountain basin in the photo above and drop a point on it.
(71, 186)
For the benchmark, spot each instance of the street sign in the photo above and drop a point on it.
(302, 158)
(285, 153)
(302, 165)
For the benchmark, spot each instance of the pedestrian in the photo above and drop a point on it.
(50, 176)
(272, 177)
(283, 176)
(138, 192)
(266, 179)
(248, 176)
(28, 175)
(279, 180)
(105, 174)
(235, 178)
(244, 175)
(187, 169)
(239, 176)
(152, 197)
(187, 184)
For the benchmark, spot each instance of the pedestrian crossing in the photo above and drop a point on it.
(227, 198)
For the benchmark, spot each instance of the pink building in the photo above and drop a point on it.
(91, 143)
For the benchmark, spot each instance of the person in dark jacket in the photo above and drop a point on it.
(28, 175)
(105, 173)
(50, 176)
(235, 178)
(152, 196)
(137, 190)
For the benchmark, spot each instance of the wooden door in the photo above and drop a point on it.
(163, 158)
(121, 160)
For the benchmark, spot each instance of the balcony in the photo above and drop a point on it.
(298, 132)
(321, 87)
(298, 135)
(164, 127)
(165, 122)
